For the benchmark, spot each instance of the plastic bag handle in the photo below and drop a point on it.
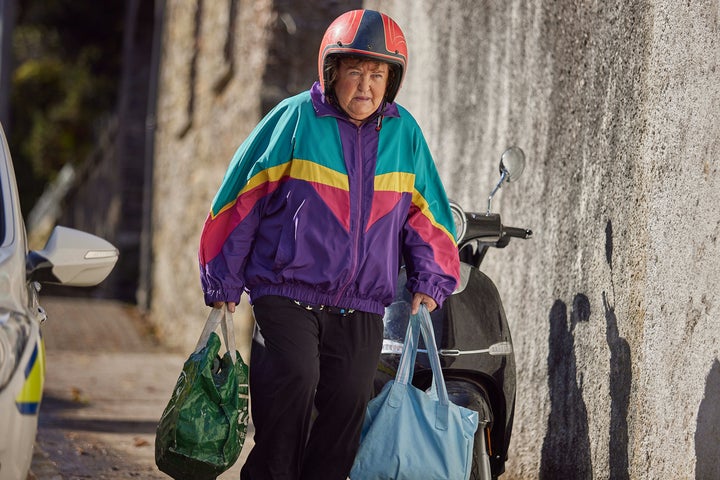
(222, 317)
(422, 324)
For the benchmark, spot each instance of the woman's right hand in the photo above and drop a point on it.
(230, 306)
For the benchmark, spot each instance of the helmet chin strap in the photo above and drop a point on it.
(378, 127)
(357, 121)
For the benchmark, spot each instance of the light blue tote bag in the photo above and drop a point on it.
(412, 435)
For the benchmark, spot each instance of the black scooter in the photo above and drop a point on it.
(476, 350)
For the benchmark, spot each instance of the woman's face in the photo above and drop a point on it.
(360, 87)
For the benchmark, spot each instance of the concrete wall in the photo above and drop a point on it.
(613, 304)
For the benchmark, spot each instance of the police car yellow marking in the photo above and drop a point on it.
(28, 400)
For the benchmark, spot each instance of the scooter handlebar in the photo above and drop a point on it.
(489, 228)
(481, 226)
(515, 232)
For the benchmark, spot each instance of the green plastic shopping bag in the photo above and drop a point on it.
(203, 427)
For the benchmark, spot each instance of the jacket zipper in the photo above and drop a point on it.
(358, 226)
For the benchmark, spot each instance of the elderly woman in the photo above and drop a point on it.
(319, 206)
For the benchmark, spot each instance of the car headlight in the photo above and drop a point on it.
(14, 332)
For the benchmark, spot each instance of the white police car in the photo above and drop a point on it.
(70, 257)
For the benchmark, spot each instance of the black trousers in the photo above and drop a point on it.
(309, 357)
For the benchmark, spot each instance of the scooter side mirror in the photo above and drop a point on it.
(512, 164)
(501, 348)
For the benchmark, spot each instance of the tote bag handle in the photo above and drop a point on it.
(223, 317)
(421, 324)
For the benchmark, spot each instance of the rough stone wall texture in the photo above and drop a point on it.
(614, 303)
(198, 129)
(616, 104)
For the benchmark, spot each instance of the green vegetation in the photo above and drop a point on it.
(67, 69)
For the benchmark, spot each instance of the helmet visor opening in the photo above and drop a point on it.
(332, 66)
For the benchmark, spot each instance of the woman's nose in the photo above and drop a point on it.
(364, 84)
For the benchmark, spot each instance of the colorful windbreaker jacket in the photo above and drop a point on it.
(315, 208)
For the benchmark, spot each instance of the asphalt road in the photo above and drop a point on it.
(106, 386)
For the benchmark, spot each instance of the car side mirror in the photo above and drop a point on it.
(72, 258)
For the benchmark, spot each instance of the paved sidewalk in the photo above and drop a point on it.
(107, 384)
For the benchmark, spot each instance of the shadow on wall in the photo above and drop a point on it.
(566, 447)
(707, 433)
(620, 378)
(620, 381)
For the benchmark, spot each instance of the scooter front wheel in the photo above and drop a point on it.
(469, 395)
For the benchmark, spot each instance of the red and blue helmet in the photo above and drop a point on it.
(368, 34)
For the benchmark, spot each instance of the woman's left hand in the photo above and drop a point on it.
(421, 298)
(230, 306)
